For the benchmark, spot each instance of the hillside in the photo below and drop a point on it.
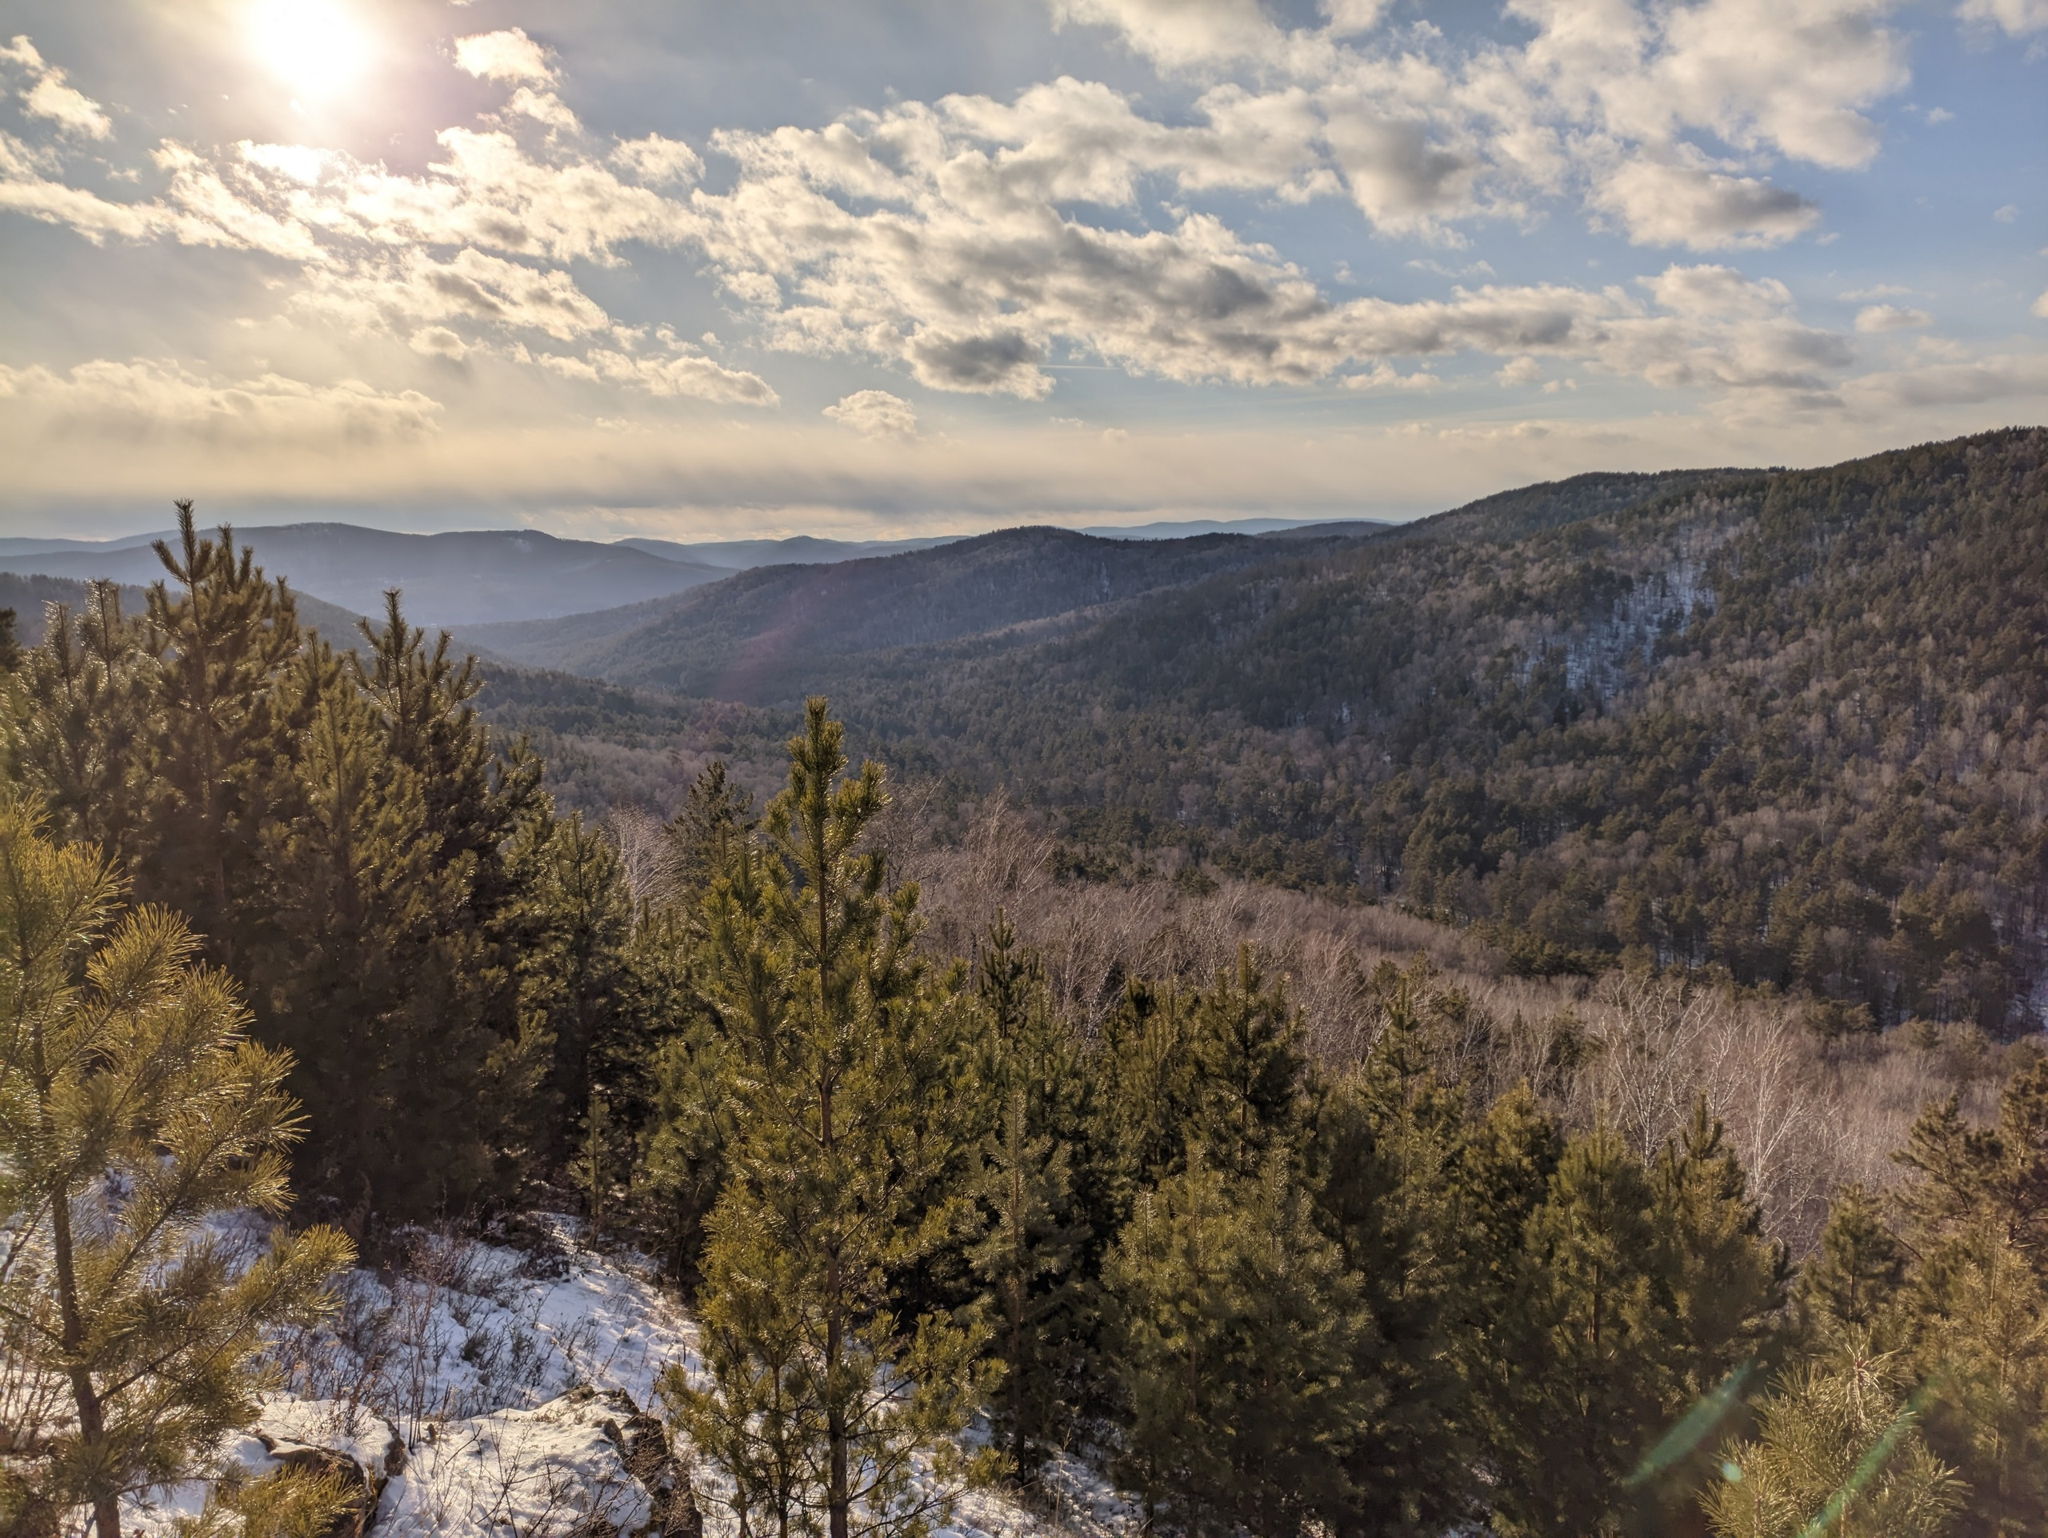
(447, 579)
(776, 633)
(30, 596)
(1788, 725)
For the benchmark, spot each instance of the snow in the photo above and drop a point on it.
(509, 1372)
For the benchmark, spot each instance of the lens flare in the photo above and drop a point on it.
(317, 48)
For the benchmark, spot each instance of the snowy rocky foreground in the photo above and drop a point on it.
(507, 1390)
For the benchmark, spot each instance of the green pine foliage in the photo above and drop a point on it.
(451, 966)
(832, 1025)
(1838, 1451)
(1238, 1340)
(133, 1107)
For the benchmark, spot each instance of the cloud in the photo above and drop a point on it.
(393, 292)
(51, 97)
(659, 162)
(438, 342)
(1399, 178)
(510, 56)
(875, 414)
(1967, 383)
(147, 399)
(677, 372)
(1678, 204)
(2017, 17)
(1182, 34)
(2040, 309)
(2006, 214)
(1891, 317)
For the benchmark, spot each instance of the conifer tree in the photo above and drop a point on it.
(715, 815)
(830, 1020)
(1238, 1336)
(1593, 1360)
(79, 708)
(1725, 1284)
(223, 635)
(1247, 1039)
(132, 1107)
(1855, 1278)
(1976, 1224)
(1384, 1154)
(1027, 1260)
(1839, 1451)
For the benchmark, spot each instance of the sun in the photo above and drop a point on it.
(318, 48)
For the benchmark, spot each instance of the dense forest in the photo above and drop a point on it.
(1289, 1245)
(1786, 727)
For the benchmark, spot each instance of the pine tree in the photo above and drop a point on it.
(1027, 1260)
(1839, 1451)
(78, 709)
(715, 815)
(1035, 1255)
(1238, 1336)
(1386, 1142)
(1855, 1278)
(1726, 1286)
(830, 1023)
(223, 635)
(1593, 1353)
(1247, 1044)
(1984, 1349)
(132, 1107)
(1976, 1224)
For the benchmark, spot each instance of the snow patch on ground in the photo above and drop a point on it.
(510, 1372)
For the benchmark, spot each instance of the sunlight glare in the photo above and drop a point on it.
(316, 47)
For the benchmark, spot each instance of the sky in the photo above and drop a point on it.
(887, 267)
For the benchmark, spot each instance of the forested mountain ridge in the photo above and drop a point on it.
(1789, 723)
(776, 633)
(448, 579)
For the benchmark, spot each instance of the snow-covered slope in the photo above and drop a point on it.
(518, 1381)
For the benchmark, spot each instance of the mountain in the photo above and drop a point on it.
(447, 579)
(31, 596)
(1784, 726)
(797, 550)
(774, 633)
(1189, 527)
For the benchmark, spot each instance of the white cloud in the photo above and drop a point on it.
(438, 342)
(2041, 306)
(1181, 34)
(50, 96)
(1970, 383)
(1348, 18)
(1891, 317)
(393, 292)
(679, 372)
(545, 108)
(875, 414)
(152, 398)
(659, 162)
(2006, 214)
(1669, 203)
(510, 56)
(1524, 370)
(2017, 17)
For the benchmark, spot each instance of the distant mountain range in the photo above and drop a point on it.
(498, 575)
(1789, 724)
